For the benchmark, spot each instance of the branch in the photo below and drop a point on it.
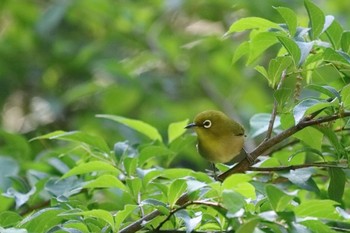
(294, 167)
(274, 110)
(184, 206)
(267, 144)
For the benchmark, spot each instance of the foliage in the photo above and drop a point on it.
(79, 184)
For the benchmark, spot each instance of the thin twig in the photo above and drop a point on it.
(275, 106)
(184, 206)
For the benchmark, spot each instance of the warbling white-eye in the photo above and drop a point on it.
(220, 139)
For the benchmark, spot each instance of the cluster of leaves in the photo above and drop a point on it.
(81, 185)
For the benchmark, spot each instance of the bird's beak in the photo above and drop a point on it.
(190, 125)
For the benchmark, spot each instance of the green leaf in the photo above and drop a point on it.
(120, 216)
(77, 136)
(135, 185)
(150, 152)
(302, 178)
(176, 189)
(305, 48)
(276, 67)
(232, 201)
(8, 167)
(334, 34)
(333, 138)
(345, 93)
(311, 137)
(97, 213)
(248, 226)
(176, 129)
(336, 184)
(309, 106)
(345, 42)
(323, 209)
(252, 23)
(191, 222)
(289, 17)
(91, 167)
(278, 199)
(317, 226)
(291, 47)
(316, 19)
(263, 71)
(42, 220)
(137, 125)
(241, 50)
(240, 184)
(336, 56)
(259, 123)
(63, 188)
(259, 44)
(327, 90)
(106, 181)
(9, 218)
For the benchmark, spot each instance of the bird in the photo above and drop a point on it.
(220, 139)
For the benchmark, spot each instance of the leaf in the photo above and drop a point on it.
(309, 106)
(240, 51)
(137, 125)
(289, 17)
(8, 167)
(316, 19)
(345, 93)
(106, 181)
(276, 67)
(176, 189)
(323, 209)
(96, 213)
(91, 167)
(263, 71)
(327, 90)
(63, 188)
(317, 226)
(302, 178)
(20, 198)
(259, 123)
(77, 136)
(311, 137)
(291, 47)
(305, 48)
(9, 218)
(190, 222)
(336, 184)
(42, 220)
(232, 201)
(278, 199)
(345, 42)
(240, 184)
(252, 23)
(336, 56)
(259, 44)
(248, 226)
(149, 152)
(176, 129)
(121, 215)
(334, 34)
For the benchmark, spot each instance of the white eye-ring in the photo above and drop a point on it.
(207, 124)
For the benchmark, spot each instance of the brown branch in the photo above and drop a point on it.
(274, 110)
(294, 167)
(267, 144)
(184, 206)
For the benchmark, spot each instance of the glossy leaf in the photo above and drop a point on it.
(316, 19)
(276, 67)
(259, 44)
(137, 125)
(289, 17)
(334, 34)
(42, 220)
(345, 42)
(150, 152)
(121, 215)
(309, 106)
(336, 184)
(91, 167)
(259, 123)
(106, 181)
(327, 90)
(278, 199)
(311, 137)
(241, 50)
(232, 201)
(323, 209)
(252, 23)
(176, 129)
(292, 48)
(176, 189)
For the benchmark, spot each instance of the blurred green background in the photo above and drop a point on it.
(64, 61)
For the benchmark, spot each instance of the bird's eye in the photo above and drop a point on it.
(207, 124)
